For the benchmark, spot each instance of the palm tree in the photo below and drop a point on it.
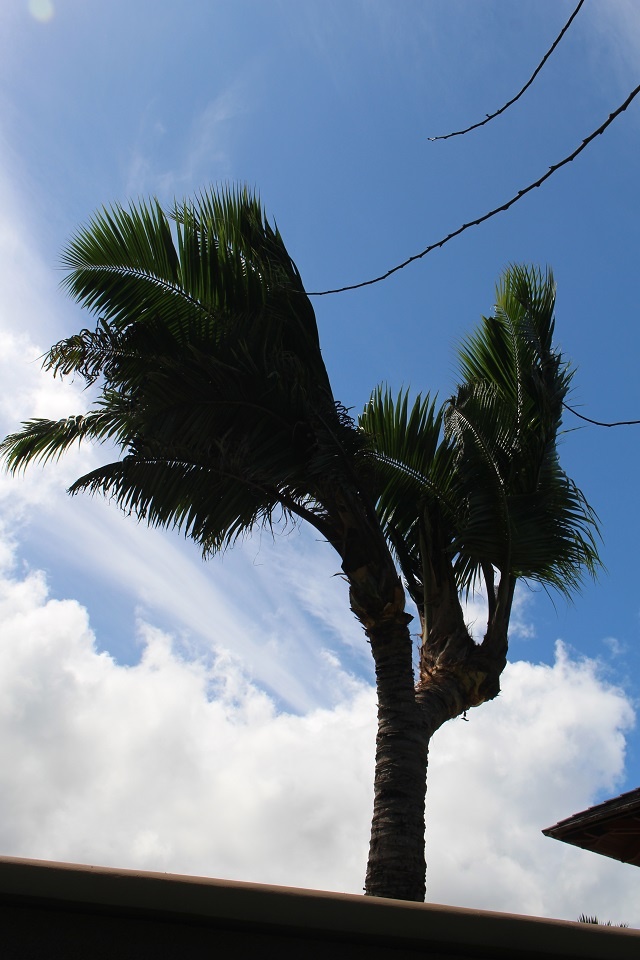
(213, 389)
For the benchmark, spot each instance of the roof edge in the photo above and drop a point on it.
(233, 903)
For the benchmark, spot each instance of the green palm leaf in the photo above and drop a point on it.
(415, 478)
(524, 515)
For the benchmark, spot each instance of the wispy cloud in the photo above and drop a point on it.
(615, 646)
(206, 155)
(615, 27)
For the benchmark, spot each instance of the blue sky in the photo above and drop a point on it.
(326, 108)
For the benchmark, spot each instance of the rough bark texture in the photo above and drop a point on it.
(455, 674)
(396, 866)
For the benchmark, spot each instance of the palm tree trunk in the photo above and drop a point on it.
(396, 866)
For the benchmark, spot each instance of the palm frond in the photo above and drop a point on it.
(524, 515)
(415, 478)
(207, 357)
(212, 509)
(42, 440)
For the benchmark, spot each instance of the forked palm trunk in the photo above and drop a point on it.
(408, 713)
(459, 676)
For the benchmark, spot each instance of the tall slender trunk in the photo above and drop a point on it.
(397, 866)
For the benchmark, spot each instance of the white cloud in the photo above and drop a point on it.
(543, 750)
(27, 393)
(173, 763)
(246, 601)
(179, 763)
(520, 625)
(615, 646)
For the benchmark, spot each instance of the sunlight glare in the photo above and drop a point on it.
(41, 10)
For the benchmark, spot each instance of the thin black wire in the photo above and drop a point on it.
(599, 423)
(491, 116)
(492, 213)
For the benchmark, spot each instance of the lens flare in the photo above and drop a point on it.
(41, 10)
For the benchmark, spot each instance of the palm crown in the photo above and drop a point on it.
(476, 484)
(212, 380)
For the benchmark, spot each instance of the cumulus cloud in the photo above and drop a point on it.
(551, 744)
(180, 763)
(174, 763)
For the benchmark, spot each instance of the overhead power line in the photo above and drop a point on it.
(600, 423)
(492, 213)
(491, 116)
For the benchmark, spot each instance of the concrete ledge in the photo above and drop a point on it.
(67, 910)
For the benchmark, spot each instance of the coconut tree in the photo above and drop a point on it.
(213, 390)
